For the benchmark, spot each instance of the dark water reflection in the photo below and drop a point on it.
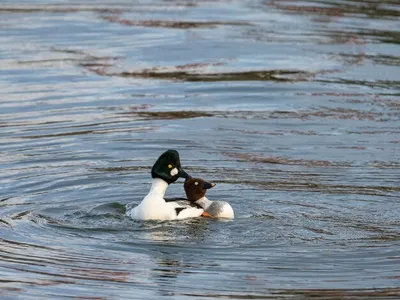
(292, 108)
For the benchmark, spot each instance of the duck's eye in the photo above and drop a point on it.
(196, 183)
(169, 166)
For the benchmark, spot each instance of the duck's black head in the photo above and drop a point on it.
(168, 167)
(196, 188)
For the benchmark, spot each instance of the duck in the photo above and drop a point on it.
(196, 188)
(166, 170)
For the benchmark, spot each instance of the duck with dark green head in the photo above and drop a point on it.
(166, 170)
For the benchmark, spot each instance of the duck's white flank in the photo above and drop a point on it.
(218, 209)
(154, 207)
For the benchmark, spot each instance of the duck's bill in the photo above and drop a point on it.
(183, 174)
(208, 185)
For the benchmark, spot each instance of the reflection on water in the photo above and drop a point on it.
(291, 107)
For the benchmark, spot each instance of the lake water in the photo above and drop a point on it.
(291, 107)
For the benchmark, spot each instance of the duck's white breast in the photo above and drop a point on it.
(152, 208)
(221, 209)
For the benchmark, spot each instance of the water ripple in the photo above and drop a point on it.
(292, 108)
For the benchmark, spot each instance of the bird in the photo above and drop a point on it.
(196, 188)
(166, 170)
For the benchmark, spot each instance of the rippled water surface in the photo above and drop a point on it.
(291, 107)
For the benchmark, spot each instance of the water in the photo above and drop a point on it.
(292, 108)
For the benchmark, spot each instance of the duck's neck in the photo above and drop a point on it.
(203, 202)
(158, 187)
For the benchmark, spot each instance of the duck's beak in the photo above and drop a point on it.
(183, 174)
(208, 185)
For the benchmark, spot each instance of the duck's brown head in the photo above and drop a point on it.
(196, 188)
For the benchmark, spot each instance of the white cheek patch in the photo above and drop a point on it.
(174, 171)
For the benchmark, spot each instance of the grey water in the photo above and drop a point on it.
(291, 107)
